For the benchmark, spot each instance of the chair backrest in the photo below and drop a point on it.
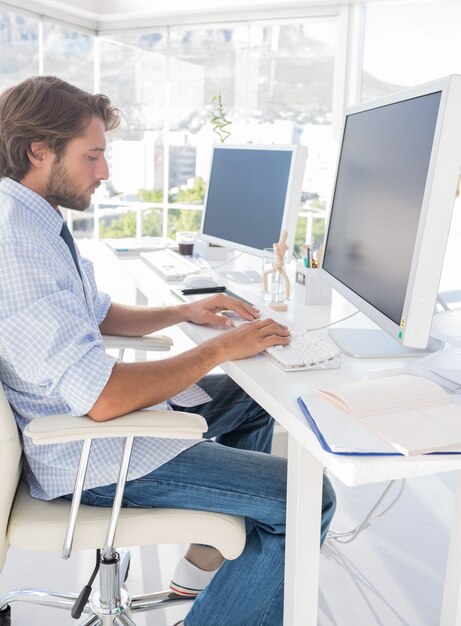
(10, 468)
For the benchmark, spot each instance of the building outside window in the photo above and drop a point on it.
(275, 82)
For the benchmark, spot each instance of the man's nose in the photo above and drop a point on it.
(103, 170)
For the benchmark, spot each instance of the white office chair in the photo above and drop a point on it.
(35, 525)
(155, 343)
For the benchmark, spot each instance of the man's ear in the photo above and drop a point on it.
(39, 154)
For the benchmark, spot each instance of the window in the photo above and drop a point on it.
(19, 47)
(289, 96)
(133, 73)
(69, 54)
(409, 43)
(275, 84)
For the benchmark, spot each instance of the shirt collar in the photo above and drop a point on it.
(37, 207)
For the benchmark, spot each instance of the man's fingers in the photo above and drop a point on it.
(244, 309)
(268, 322)
(219, 320)
(268, 328)
(276, 335)
(247, 311)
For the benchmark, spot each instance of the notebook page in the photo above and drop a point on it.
(392, 394)
(342, 432)
(425, 430)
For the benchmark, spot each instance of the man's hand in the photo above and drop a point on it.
(207, 311)
(250, 339)
(134, 386)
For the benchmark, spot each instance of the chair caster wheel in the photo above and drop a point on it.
(5, 616)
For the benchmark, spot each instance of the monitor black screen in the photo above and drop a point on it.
(378, 196)
(246, 196)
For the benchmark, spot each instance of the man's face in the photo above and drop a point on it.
(74, 177)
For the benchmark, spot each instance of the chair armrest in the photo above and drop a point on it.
(164, 424)
(156, 343)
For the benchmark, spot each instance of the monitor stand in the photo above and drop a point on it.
(370, 343)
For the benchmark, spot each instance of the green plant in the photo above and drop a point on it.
(194, 194)
(218, 118)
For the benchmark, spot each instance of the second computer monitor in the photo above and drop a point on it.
(253, 195)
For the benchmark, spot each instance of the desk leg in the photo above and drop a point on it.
(304, 503)
(451, 605)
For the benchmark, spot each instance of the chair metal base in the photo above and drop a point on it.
(116, 616)
(111, 607)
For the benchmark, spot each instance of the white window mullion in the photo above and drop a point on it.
(166, 138)
(41, 48)
(96, 85)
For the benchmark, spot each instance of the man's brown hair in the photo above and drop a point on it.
(46, 108)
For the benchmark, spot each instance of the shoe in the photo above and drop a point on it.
(188, 580)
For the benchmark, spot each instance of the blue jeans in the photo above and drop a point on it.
(233, 474)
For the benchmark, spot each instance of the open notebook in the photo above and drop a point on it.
(400, 414)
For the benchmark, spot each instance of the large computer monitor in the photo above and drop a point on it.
(253, 194)
(391, 207)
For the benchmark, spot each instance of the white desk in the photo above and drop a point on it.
(277, 391)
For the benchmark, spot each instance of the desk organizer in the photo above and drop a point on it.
(309, 287)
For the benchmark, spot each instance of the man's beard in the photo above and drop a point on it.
(62, 191)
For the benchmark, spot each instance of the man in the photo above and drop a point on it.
(52, 360)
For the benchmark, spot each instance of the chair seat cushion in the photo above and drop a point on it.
(38, 525)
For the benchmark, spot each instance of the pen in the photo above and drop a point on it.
(196, 290)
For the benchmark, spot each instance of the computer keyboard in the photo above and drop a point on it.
(307, 349)
(170, 265)
(128, 246)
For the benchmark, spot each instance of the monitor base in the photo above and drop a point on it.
(369, 343)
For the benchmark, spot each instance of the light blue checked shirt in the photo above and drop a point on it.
(52, 359)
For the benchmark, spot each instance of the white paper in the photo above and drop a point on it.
(342, 432)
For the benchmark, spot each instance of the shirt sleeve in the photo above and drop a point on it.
(48, 335)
